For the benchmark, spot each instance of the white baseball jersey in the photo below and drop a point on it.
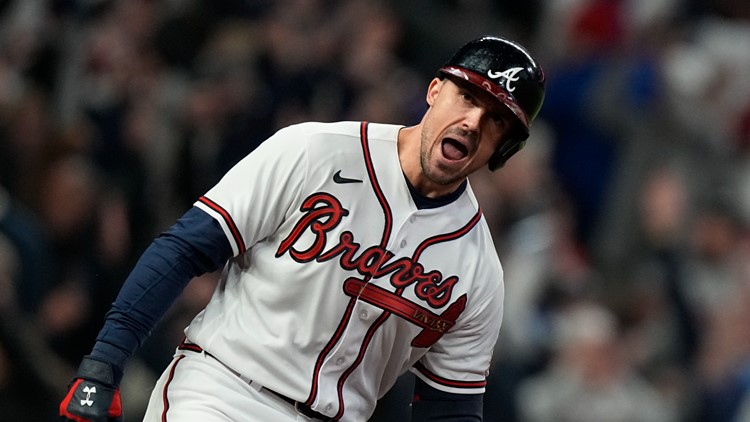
(339, 282)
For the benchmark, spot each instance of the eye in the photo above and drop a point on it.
(466, 96)
(498, 119)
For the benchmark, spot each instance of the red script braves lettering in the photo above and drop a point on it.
(323, 212)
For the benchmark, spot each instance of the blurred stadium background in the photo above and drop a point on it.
(622, 227)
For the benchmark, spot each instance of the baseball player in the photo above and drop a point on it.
(351, 253)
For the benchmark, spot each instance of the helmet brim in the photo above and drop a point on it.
(490, 87)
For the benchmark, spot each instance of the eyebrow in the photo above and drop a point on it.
(494, 106)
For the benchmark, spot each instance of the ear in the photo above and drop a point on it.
(433, 90)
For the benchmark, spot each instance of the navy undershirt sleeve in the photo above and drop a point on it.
(433, 405)
(194, 245)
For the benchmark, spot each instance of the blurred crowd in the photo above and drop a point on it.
(623, 226)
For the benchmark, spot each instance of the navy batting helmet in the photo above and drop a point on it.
(507, 71)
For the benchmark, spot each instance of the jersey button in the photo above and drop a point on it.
(363, 315)
(412, 219)
(403, 243)
(329, 407)
(340, 361)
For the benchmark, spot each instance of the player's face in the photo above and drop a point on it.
(461, 130)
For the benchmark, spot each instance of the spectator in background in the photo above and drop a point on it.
(143, 92)
(14, 378)
(586, 150)
(547, 267)
(590, 378)
(718, 289)
(659, 325)
(29, 242)
(26, 363)
(724, 360)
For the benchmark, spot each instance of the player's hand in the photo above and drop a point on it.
(93, 395)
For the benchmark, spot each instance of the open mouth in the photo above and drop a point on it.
(454, 150)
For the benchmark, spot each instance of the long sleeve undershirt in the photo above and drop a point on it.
(194, 245)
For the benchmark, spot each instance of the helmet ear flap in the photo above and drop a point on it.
(506, 150)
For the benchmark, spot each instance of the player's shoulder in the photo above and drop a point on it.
(351, 129)
(306, 136)
(383, 132)
(316, 129)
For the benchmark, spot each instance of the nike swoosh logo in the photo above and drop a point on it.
(338, 179)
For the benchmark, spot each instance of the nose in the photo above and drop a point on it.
(473, 118)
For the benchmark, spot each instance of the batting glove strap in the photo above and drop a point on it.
(93, 395)
(93, 369)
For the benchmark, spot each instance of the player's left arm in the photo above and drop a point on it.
(433, 405)
(451, 377)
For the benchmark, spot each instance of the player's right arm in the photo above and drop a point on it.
(199, 242)
(194, 245)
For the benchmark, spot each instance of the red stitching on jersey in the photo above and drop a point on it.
(166, 385)
(446, 382)
(365, 344)
(339, 330)
(228, 220)
(422, 339)
(388, 226)
(189, 346)
(456, 308)
(448, 236)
